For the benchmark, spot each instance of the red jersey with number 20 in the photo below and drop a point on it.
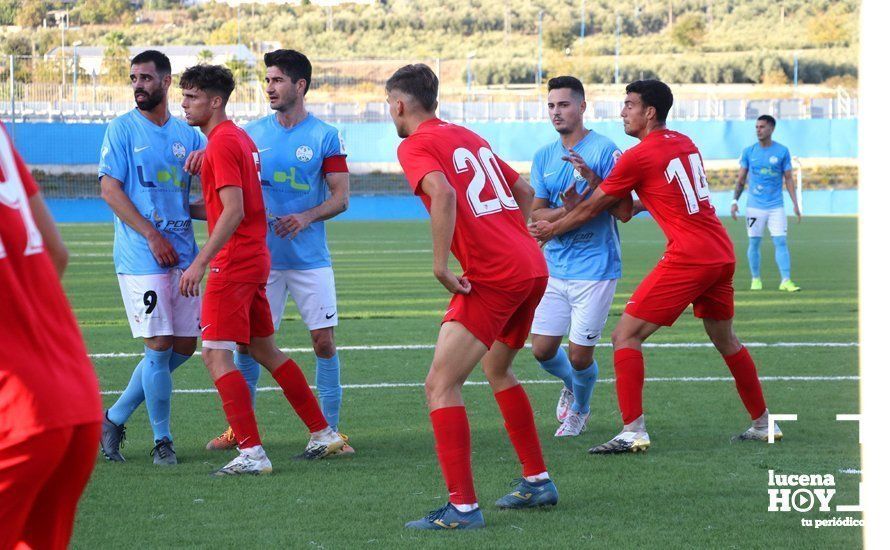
(666, 171)
(46, 378)
(491, 241)
(232, 159)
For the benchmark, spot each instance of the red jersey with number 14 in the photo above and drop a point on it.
(666, 171)
(232, 159)
(491, 241)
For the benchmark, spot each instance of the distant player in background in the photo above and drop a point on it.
(144, 168)
(302, 158)
(584, 264)
(478, 207)
(235, 309)
(50, 410)
(764, 166)
(666, 171)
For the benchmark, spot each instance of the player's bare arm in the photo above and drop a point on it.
(598, 202)
(443, 216)
(198, 209)
(739, 189)
(52, 240)
(541, 211)
(122, 206)
(586, 172)
(525, 197)
(792, 192)
(624, 210)
(233, 212)
(338, 183)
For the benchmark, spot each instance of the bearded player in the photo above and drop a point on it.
(305, 182)
(666, 171)
(235, 309)
(50, 410)
(478, 207)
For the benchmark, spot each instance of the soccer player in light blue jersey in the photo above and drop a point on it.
(764, 166)
(305, 182)
(584, 264)
(144, 169)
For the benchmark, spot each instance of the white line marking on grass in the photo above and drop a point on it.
(334, 253)
(390, 385)
(673, 345)
(850, 471)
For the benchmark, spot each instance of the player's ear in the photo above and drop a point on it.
(167, 81)
(583, 106)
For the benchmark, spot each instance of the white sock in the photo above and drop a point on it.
(538, 477)
(637, 426)
(326, 433)
(254, 452)
(466, 507)
(762, 422)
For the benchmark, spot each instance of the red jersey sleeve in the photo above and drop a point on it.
(510, 174)
(223, 157)
(417, 162)
(624, 177)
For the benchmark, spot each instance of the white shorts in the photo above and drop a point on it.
(156, 308)
(313, 291)
(774, 218)
(583, 305)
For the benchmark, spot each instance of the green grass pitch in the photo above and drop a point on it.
(693, 489)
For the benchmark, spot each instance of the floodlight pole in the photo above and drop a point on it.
(583, 18)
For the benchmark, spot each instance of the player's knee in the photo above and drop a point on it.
(160, 343)
(581, 359)
(241, 348)
(543, 352)
(324, 348)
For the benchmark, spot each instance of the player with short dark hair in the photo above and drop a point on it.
(584, 264)
(764, 166)
(50, 409)
(235, 309)
(305, 182)
(666, 171)
(478, 207)
(145, 169)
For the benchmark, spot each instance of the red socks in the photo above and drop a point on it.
(629, 383)
(451, 428)
(238, 407)
(299, 395)
(519, 419)
(746, 382)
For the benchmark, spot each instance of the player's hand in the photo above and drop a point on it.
(638, 207)
(453, 283)
(288, 226)
(734, 211)
(541, 230)
(190, 282)
(592, 179)
(572, 198)
(194, 162)
(162, 250)
(797, 212)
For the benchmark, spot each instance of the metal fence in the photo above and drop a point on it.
(69, 89)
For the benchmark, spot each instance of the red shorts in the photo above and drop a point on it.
(503, 313)
(235, 312)
(666, 292)
(41, 480)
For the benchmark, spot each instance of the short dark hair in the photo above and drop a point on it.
(292, 63)
(768, 119)
(418, 81)
(654, 93)
(214, 79)
(161, 61)
(570, 82)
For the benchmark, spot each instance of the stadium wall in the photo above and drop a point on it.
(839, 202)
(60, 144)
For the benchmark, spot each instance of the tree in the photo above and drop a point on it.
(205, 56)
(116, 58)
(689, 31)
(103, 11)
(31, 13)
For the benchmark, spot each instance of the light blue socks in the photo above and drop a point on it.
(583, 382)
(754, 256)
(560, 367)
(157, 383)
(330, 392)
(783, 257)
(250, 369)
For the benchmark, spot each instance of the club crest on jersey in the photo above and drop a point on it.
(616, 154)
(178, 150)
(774, 160)
(304, 153)
(577, 175)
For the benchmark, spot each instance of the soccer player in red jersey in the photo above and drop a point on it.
(235, 310)
(478, 208)
(665, 169)
(50, 410)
